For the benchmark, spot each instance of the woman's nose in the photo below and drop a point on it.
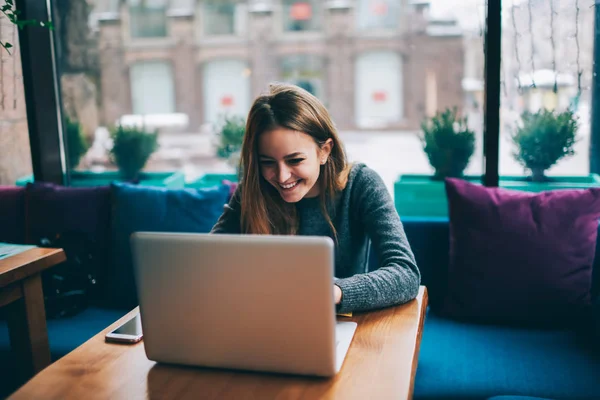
(283, 174)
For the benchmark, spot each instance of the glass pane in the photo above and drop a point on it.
(547, 58)
(147, 18)
(152, 89)
(224, 17)
(226, 89)
(379, 88)
(305, 71)
(378, 14)
(301, 15)
(15, 154)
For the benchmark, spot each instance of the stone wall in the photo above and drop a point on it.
(15, 156)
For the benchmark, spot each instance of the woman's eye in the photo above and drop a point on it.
(295, 161)
(266, 163)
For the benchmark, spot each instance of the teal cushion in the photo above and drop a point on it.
(139, 208)
(467, 361)
(429, 240)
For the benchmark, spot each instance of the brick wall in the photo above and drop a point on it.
(15, 156)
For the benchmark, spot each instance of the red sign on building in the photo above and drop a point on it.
(379, 7)
(301, 11)
(379, 96)
(227, 101)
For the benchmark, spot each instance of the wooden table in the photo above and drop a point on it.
(21, 291)
(381, 363)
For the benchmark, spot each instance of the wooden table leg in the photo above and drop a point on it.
(27, 328)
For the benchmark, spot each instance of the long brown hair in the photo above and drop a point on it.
(290, 107)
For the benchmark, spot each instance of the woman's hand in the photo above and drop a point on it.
(337, 294)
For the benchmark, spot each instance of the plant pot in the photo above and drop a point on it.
(525, 183)
(209, 180)
(173, 180)
(421, 196)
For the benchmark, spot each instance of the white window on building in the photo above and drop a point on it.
(224, 17)
(152, 88)
(301, 15)
(378, 14)
(147, 18)
(378, 80)
(306, 71)
(226, 89)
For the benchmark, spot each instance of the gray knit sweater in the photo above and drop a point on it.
(363, 210)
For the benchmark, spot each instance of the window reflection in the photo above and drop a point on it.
(147, 18)
(302, 15)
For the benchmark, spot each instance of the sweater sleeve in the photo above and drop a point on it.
(397, 278)
(230, 220)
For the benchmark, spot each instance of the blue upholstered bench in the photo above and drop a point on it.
(458, 360)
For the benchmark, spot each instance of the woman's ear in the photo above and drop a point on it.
(325, 150)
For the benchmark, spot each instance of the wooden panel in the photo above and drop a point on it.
(27, 263)
(381, 363)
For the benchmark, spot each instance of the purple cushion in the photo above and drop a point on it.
(518, 256)
(82, 213)
(53, 209)
(12, 214)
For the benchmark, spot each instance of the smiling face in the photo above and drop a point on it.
(291, 162)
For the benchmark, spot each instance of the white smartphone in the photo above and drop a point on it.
(129, 332)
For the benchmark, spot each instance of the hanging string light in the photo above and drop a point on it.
(517, 36)
(579, 71)
(532, 44)
(552, 12)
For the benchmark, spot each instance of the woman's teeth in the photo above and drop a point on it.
(290, 185)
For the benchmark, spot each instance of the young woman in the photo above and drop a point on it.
(296, 181)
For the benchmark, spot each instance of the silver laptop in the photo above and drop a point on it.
(247, 302)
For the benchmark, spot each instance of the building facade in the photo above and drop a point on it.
(376, 64)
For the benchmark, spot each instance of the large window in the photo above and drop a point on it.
(224, 17)
(226, 90)
(378, 89)
(547, 61)
(378, 14)
(147, 18)
(305, 71)
(152, 90)
(301, 15)
(219, 55)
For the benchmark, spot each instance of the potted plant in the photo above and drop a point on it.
(230, 137)
(542, 139)
(132, 147)
(449, 144)
(77, 144)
